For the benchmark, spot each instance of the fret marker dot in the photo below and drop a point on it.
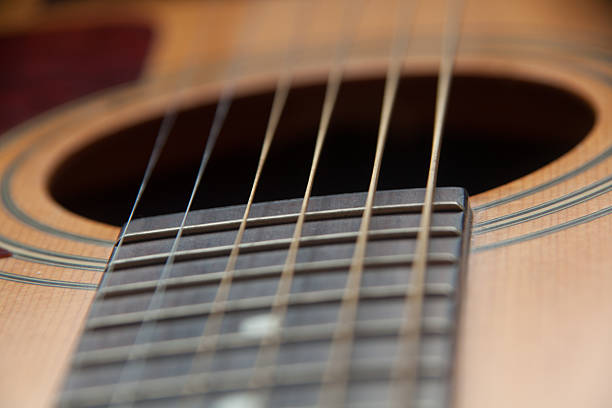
(239, 400)
(260, 325)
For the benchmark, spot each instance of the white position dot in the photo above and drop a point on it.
(239, 400)
(260, 325)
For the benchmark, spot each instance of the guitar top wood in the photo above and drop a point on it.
(535, 327)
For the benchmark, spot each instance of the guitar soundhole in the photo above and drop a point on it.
(497, 130)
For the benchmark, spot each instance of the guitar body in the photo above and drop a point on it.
(535, 327)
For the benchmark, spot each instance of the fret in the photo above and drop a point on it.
(315, 351)
(443, 257)
(362, 394)
(233, 380)
(382, 327)
(286, 219)
(323, 296)
(306, 241)
(284, 231)
(450, 199)
(269, 271)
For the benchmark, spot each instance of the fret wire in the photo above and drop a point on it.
(261, 302)
(146, 330)
(274, 270)
(212, 326)
(282, 243)
(405, 370)
(287, 219)
(229, 380)
(333, 392)
(288, 335)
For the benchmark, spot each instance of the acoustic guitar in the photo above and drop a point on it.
(306, 203)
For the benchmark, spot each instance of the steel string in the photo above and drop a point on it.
(264, 367)
(337, 372)
(405, 370)
(125, 395)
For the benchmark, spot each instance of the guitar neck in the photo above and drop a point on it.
(163, 335)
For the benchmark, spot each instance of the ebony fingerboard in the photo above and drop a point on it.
(130, 355)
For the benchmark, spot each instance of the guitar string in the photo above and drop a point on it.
(135, 369)
(263, 369)
(148, 326)
(405, 370)
(160, 141)
(284, 84)
(165, 128)
(171, 112)
(337, 370)
(207, 344)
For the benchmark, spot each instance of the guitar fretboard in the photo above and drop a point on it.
(130, 353)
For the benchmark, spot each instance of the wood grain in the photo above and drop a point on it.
(536, 324)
